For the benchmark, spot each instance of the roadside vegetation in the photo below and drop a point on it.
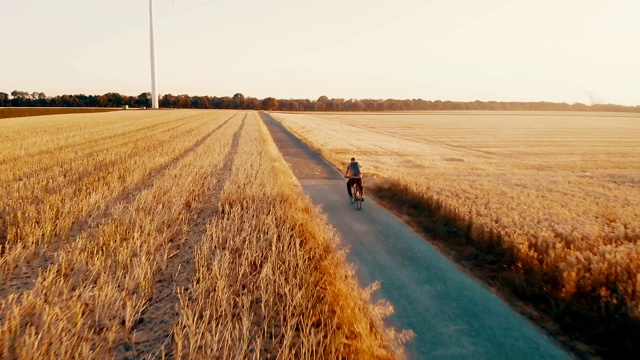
(543, 205)
(150, 234)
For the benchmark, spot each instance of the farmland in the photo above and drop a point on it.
(545, 206)
(177, 234)
(22, 111)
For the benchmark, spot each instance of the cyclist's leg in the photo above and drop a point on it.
(349, 183)
(359, 183)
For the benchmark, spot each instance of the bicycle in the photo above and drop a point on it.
(356, 197)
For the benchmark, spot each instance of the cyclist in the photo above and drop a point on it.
(354, 173)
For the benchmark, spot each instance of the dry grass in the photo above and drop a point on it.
(96, 209)
(555, 195)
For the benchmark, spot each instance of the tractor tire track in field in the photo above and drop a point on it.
(28, 274)
(74, 179)
(123, 138)
(103, 167)
(154, 334)
(67, 147)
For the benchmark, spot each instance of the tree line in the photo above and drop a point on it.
(323, 103)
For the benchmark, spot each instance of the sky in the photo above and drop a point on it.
(570, 51)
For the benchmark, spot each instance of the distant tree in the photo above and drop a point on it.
(102, 100)
(19, 94)
(408, 104)
(285, 105)
(252, 103)
(335, 105)
(200, 102)
(306, 105)
(4, 99)
(349, 105)
(226, 102)
(183, 101)
(238, 101)
(369, 105)
(67, 101)
(391, 104)
(321, 103)
(291, 105)
(37, 96)
(269, 104)
(491, 105)
(91, 101)
(579, 107)
(144, 99)
(39, 99)
(113, 99)
(215, 102)
(451, 105)
(168, 101)
(19, 98)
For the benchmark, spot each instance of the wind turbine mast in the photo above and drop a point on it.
(154, 85)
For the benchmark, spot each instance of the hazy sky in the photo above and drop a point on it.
(462, 50)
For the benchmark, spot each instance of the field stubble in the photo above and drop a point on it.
(14, 112)
(545, 204)
(182, 236)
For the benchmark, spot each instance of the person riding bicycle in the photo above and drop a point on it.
(354, 173)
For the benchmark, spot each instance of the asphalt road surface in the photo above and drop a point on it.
(453, 316)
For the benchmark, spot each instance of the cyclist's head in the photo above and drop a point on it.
(353, 159)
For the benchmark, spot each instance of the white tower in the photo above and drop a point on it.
(154, 85)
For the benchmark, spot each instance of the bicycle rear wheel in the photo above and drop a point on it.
(358, 198)
(352, 199)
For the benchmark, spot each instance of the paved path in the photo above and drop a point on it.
(453, 316)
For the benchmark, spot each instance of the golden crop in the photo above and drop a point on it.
(181, 233)
(559, 191)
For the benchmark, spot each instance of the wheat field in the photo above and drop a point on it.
(558, 191)
(170, 234)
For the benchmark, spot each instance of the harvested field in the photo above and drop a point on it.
(174, 234)
(38, 111)
(545, 205)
